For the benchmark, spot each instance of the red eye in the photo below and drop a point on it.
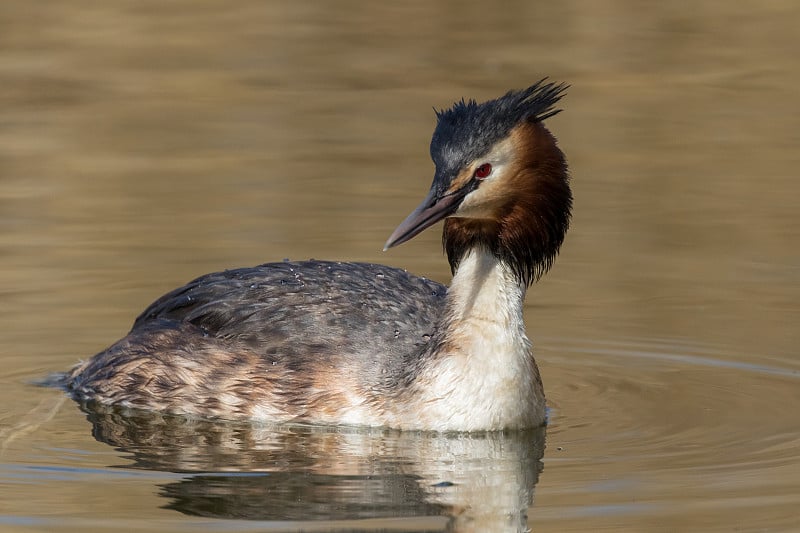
(483, 171)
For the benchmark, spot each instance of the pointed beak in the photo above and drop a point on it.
(433, 208)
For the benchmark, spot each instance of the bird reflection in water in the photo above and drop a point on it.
(475, 482)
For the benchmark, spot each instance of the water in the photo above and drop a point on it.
(142, 144)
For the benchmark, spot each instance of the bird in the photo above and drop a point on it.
(361, 344)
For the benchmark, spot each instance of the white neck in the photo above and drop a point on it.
(486, 377)
(484, 290)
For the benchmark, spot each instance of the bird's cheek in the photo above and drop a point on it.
(480, 203)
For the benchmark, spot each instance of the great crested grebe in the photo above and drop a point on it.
(364, 344)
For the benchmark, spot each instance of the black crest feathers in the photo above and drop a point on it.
(468, 129)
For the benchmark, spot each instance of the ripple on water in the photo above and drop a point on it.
(644, 425)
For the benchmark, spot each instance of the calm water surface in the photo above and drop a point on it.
(143, 144)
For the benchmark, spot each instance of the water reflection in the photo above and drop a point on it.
(480, 482)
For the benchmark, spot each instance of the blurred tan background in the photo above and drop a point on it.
(145, 143)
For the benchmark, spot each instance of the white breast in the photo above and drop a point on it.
(487, 379)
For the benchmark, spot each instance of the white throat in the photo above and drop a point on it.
(486, 377)
(484, 290)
